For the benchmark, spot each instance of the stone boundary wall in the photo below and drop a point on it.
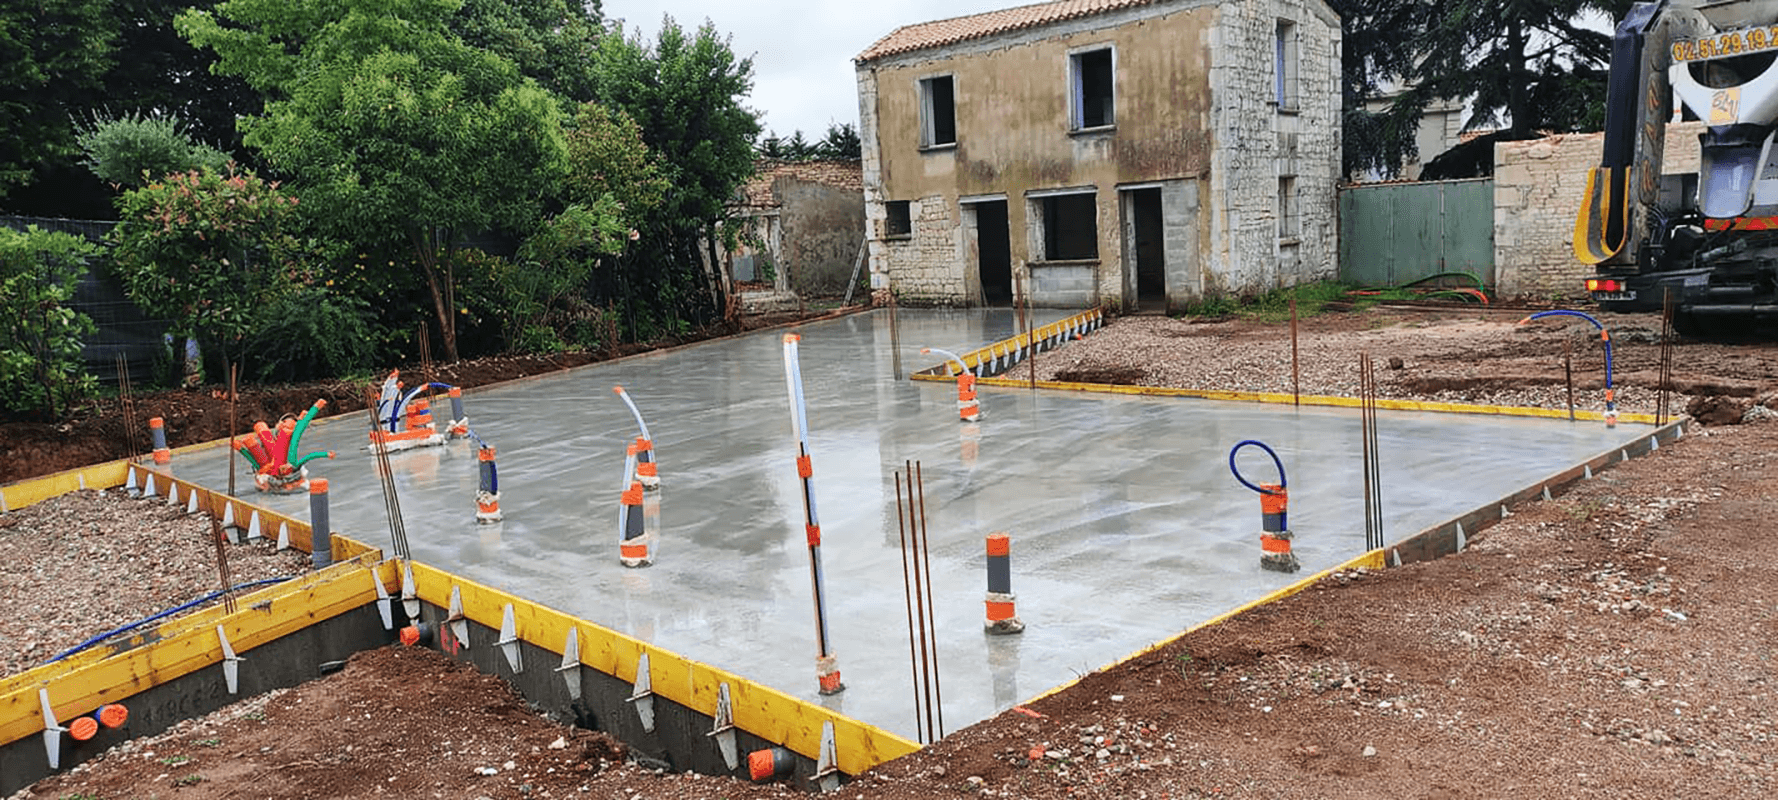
(1538, 188)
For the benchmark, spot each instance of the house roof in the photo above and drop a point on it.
(757, 191)
(921, 36)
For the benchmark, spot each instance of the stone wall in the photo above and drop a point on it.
(1257, 143)
(1538, 189)
(823, 227)
(927, 269)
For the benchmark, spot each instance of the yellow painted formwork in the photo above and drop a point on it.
(974, 358)
(985, 355)
(185, 645)
(758, 709)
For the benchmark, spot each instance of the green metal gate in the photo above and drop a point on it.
(1396, 233)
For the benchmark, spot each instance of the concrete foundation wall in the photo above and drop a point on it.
(284, 662)
(1538, 189)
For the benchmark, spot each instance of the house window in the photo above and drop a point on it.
(900, 222)
(1289, 221)
(1284, 66)
(938, 111)
(1070, 226)
(1092, 89)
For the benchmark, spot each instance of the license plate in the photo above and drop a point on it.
(1608, 296)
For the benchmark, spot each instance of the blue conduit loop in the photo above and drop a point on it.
(161, 615)
(1275, 460)
(1604, 336)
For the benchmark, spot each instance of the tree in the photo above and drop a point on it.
(40, 335)
(391, 126)
(1525, 65)
(53, 55)
(840, 143)
(551, 41)
(211, 251)
(684, 92)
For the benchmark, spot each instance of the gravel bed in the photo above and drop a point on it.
(87, 562)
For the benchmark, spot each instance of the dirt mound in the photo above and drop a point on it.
(1123, 376)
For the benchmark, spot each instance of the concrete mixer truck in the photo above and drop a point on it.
(1710, 239)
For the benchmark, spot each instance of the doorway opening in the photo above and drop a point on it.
(993, 252)
(1143, 246)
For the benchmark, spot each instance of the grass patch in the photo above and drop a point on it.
(1311, 299)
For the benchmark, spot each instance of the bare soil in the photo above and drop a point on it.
(1614, 642)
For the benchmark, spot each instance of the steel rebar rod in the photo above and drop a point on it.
(907, 594)
(932, 608)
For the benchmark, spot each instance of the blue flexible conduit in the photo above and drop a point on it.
(162, 615)
(1603, 336)
(1275, 460)
(401, 404)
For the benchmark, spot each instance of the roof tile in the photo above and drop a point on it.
(921, 36)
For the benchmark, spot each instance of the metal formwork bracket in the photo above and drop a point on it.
(410, 597)
(459, 625)
(385, 603)
(509, 640)
(231, 663)
(52, 732)
(724, 729)
(827, 769)
(570, 668)
(643, 694)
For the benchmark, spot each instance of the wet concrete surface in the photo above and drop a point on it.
(1126, 525)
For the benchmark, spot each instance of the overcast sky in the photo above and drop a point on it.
(802, 49)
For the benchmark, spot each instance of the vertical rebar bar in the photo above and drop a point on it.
(926, 554)
(1296, 382)
(233, 374)
(1364, 446)
(894, 334)
(907, 594)
(1663, 402)
(228, 600)
(920, 606)
(1568, 373)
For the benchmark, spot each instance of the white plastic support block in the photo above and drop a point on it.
(1462, 540)
(254, 534)
(52, 731)
(509, 641)
(1394, 557)
(231, 663)
(1654, 443)
(1623, 455)
(191, 501)
(643, 694)
(1546, 492)
(724, 728)
(410, 597)
(827, 768)
(459, 625)
(385, 603)
(130, 486)
(570, 668)
(148, 487)
(82, 477)
(1503, 512)
(172, 494)
(283, 536)
(1586, 471)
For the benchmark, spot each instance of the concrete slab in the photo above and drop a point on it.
(1126, 524)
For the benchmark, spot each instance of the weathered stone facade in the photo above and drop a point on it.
(1187, 183)
(1538, 189)
(801, 221)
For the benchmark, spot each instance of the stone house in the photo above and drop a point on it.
(1118, 153)
(801, 229)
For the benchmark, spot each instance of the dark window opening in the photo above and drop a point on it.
(900, 221)
(1070, 227)
(938, 111)
(1093, 89)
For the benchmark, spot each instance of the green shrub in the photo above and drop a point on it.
(309, 334)
(40, 336)
(135, 150)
